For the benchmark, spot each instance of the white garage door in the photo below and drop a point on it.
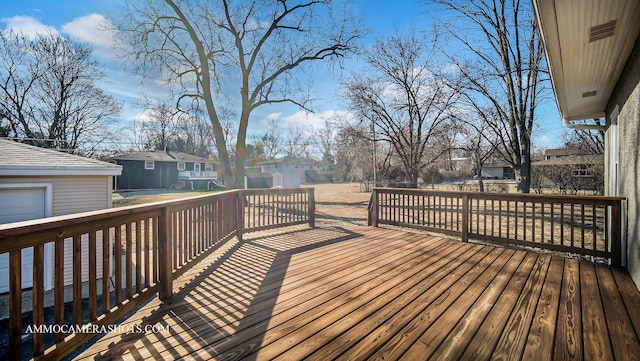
(20, 204)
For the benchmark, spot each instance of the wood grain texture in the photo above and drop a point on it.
(540, 339)
(624, 339)
(375, 293)
(595, 332)
(568, 342)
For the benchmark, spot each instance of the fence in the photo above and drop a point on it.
(122, 257)
(586, 225)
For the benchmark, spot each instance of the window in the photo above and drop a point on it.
(196, 167)
(508, 173)
(208, 167)
(149, 164)
(583, 172)
(182, 166)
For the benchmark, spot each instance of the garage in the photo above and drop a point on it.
(37, 183)
(24, 202)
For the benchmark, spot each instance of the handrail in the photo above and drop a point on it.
(586, 225)
(133, 253)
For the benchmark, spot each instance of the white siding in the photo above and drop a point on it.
(490, 172)
(75, 194)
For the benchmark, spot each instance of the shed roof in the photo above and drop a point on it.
(17, 159)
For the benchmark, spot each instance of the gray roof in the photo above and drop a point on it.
(290, 160)
(22, 159)
(563, 152)
(162, 156)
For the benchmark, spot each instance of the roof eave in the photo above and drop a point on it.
(59, 171)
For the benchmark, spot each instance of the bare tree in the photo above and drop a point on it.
(574, 173)
(298, 142)
(590, 141)
(162, 128)
(325, 139)
(503, 68)
(270, 143)
(358, 158)
(49, 92)
(479, 144)
(405, 101)
(193, 135)
(258, 48)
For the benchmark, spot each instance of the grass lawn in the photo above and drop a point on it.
(132, 198)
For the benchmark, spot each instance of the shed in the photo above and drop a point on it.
(497, 170)
(38, 183)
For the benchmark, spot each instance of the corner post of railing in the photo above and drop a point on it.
(312, 207)
(616, 233)
(165, 254)
(239, 214)
(465, 217)
(373, 210)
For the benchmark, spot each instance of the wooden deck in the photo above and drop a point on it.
(373, 293)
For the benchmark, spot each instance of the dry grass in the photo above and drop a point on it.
(335, 202)
(133, 198)
(341, 202)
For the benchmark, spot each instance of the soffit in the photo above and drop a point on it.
(585, 63)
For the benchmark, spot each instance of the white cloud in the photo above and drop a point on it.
(143, 116)
(96, 30)
(27, 25)
(274, 116)
(307, 120)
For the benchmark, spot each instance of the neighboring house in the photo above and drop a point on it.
(255, 178)
(38, 183)
(562, 152)
(160, 169)
(571, 172)
(579, 163)
(497, 170)
(593, 52)
(290, 172)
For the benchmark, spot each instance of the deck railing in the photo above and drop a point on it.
(131, 254)
(585, 225)
(272, 208)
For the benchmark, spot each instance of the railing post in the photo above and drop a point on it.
(239, 214)
(312, 208)
(165, 254)
(615, 225)
(373, 211)
(465, 217)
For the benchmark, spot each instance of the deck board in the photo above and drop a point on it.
(376, 293)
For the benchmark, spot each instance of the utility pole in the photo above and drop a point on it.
(375, 162)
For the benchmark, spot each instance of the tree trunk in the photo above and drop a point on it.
(523, 175)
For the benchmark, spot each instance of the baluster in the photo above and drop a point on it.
(38, 298)
(93, 277)
(106, 270)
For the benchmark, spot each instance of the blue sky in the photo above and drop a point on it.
(81, 19)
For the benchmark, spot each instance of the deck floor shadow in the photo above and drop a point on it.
(360, 293)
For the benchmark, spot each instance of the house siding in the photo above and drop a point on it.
(135, 176)
(74, 194)
(626, 97)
